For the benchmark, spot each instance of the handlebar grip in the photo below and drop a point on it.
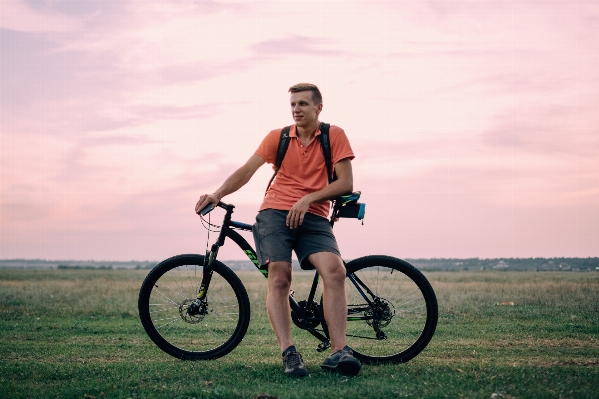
(206, 209)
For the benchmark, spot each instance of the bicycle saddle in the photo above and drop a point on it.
(347, 206)
(348, 198)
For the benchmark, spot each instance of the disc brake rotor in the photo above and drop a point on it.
(192, 312)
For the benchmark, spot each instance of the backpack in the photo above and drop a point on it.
(325, 144)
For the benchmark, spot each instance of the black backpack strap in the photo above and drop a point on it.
(325, 143)
(281, 151)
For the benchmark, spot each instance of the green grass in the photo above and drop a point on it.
(75, 334)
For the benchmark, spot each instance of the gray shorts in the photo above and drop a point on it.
(274, 240)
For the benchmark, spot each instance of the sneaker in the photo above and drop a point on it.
(294, 365)
(342, 361)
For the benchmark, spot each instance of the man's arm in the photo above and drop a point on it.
(233, 183)
(343, 185)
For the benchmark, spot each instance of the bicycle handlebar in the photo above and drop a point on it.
(209, 208)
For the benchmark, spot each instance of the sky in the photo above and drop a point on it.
(474, 123)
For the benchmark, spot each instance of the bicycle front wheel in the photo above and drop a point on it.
(392, 309)
(209, 332)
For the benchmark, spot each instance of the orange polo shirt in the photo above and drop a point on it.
(303, 170)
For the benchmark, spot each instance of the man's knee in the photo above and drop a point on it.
(337, 275)
(330, 267)
(279, 276)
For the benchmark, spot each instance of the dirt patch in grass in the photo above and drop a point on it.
(527, 343)
(109, 340)
(573, 362)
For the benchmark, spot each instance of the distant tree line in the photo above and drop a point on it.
(432, 264)
(517, 264)
(77, 267)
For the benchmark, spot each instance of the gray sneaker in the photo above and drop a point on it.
(294, 365)
(342, 361)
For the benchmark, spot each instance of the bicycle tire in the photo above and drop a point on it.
(173, 284)
(407, 313)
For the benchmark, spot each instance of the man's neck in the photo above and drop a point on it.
(307, 132)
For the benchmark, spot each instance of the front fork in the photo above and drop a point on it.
(200, 303)
(207, 276)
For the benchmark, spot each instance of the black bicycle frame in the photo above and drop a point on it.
(227, 230)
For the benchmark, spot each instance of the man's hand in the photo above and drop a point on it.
(205, 200)
(296, 214)
(343, 185)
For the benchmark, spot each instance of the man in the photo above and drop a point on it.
(293, 215)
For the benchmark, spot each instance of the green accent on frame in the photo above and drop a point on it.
(251, 256)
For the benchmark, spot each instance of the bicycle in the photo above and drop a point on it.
(194, 307)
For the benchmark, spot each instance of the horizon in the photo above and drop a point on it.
(474, 124)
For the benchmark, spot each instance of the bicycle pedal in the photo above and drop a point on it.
(323, 346)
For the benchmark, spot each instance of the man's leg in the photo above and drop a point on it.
(279, 313)
(277, 301)
(275, 241)
(332, 271)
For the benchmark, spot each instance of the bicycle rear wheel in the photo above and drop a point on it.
(164, 304)
(400, 316)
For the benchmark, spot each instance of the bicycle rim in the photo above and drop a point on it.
(402, 315)
(166, 294)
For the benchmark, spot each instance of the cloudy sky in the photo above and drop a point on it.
(474, 123)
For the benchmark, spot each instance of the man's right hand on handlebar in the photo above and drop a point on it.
(205, 200)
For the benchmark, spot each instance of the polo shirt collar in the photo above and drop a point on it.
(293, 131)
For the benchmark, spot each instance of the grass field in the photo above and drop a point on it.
(76, 334)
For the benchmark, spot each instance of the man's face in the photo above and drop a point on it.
(303, 109)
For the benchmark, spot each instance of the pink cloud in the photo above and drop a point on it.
(197, 71)
(551, 129)
(18, 15)
(296, 45)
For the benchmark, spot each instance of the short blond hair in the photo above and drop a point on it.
(316, 96)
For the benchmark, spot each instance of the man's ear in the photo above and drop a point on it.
(319, 110)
